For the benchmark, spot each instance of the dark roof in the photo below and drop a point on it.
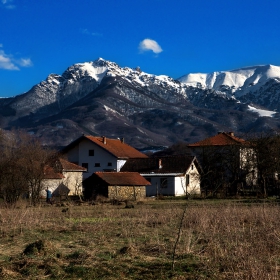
(115, 147)
(221, 139)
(69, 166)
(122, 178)
(169, 164)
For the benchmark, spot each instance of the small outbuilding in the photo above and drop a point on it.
(169, 175)
(115, 185)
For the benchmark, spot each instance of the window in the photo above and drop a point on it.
(97, 164)
(163, 183)
(187, 180)
(109, 163)
(91, 153)
(85, 165)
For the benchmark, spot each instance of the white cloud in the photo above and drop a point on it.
(7, 4)
(87, 32)
(150, 45)
(24, 62)
(8, 62)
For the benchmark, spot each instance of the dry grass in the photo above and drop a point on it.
(225, 240)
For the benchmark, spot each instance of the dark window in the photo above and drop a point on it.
(85, 165)
(97, 164)
(163, 183)
(148, 179)
(109, 163)
(187, 179)
(91, 153)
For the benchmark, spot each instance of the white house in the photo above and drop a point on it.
(63, 175)
(170, 175)
(100, 154)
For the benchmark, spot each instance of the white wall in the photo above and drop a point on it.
(176, 184)
(180, 186)
(73, 181)
(51, 184)
(80, 155)
(120, 164)
(194, 180)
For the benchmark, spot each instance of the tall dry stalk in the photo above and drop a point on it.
(178, 237)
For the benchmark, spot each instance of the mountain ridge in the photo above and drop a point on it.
(101, 98)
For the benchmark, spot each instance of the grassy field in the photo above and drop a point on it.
(212, 240)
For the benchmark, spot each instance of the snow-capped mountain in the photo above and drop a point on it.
(238, 82)
(102, 98)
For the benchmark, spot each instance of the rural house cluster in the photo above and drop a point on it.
(101, 166)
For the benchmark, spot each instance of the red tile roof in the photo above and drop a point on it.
(122, 178)
(115, 147)
(49, 173)
(221, 139)
(69, 166)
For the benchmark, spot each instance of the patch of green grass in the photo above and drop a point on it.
(88, 220)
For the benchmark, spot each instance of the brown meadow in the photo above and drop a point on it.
(217, 239)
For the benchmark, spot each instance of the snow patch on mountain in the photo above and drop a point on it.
(261, 112)
(97, 73)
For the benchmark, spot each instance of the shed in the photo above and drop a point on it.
(116, 185)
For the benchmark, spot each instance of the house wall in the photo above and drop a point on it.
(80, 155)
(158, 185)
(73, 181)
(120, 164)
(174, 185)
(180, 186)
(126, 192)
(194, 180)
(51, 184)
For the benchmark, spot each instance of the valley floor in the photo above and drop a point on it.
(154, 240)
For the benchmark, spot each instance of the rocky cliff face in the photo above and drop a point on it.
(101, 98)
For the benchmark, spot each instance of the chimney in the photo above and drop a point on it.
(231, 133)
(104, 140)
(122, 139)
(159, 164)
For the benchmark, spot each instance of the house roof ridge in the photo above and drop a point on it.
(220, 139)
(116, 147)
(67, 165)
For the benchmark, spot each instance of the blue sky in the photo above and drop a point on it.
(161, 36)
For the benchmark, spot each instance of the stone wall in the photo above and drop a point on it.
(127, 192)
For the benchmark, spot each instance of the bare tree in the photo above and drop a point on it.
(22, 167)
(267, 151)
(225, 168)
